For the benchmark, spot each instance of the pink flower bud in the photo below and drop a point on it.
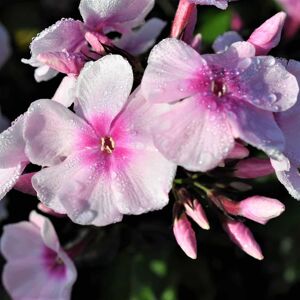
(237, 23)
(260, 209)
(257, 208)
(253, 168)
(243, 238)
(24, 184)
(239, 151)
(182, 17)
(195, 211)
(185, 236)
(268, 35)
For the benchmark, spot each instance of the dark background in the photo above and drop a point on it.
(138, 259)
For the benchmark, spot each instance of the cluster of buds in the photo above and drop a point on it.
(231, 214)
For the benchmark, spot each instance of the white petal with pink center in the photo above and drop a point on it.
(38, 268)
(231, 88)
(106, 164)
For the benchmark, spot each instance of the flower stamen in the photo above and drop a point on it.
(107, 144)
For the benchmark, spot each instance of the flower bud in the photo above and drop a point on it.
(257, 208)
(195, 211)
(253, 168)
(243, 238)
(261, 209)
(239, 151)
(268, 35)
(24, 184)
(185, 235)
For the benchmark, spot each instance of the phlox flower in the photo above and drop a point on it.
(100, 162)
(37, 267)
(264, 38)
(68, 44)
(215, 99)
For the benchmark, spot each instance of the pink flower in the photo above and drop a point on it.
(37, 268)
(185, 236)
(13, 159)
(257, 208)
(215, 99)
(292, 7)
(5, 48)
(243, 238)
(64, 46)
(102, 161)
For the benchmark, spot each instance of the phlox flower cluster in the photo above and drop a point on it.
(109, 143)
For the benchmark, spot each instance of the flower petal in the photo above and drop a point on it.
(139, 41)
(193, 135)
(9, 177)
(266, 84)
(172, 68)
(64, 35)
(256, 127)
(289, 176)
(224, 41)
(46, 229)
(145, 183)
(12, 145)
(52, 132)
(115, 14)
(80, 188)
(65, 94)
(26, 236)
(103, 87)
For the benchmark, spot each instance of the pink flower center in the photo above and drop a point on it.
(53, 263)
(107, 144)
(219, 88)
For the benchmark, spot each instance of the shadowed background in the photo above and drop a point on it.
(138, 259)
